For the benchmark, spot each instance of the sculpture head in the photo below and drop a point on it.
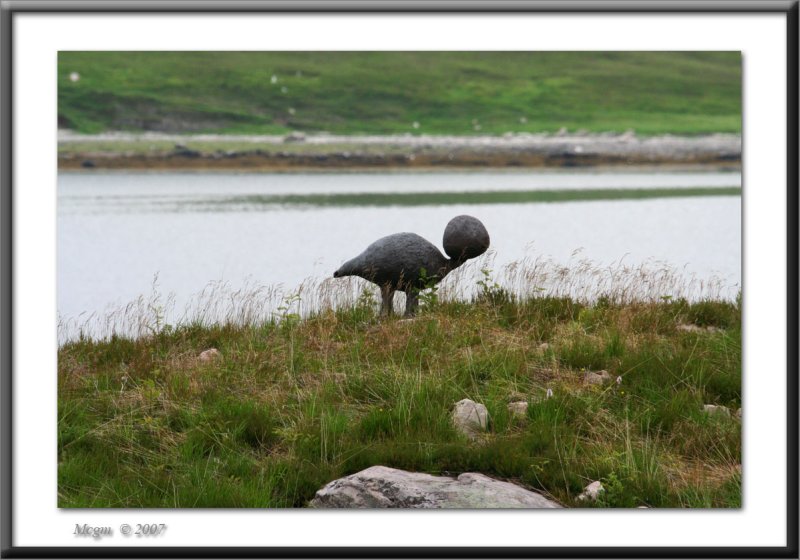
(465, 238)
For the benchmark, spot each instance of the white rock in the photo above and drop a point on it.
(592, 491)
(714, 410)
(696, 329)
(384, 487)
(210, 355)
(470, 417)
(518, 409)
(597, 378)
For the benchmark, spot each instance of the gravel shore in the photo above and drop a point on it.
(298, 150)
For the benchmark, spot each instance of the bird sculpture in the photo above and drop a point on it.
(409, 263)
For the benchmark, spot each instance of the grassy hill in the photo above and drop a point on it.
(290, 404)
(388, 92)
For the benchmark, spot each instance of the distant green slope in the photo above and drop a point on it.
(381, 92)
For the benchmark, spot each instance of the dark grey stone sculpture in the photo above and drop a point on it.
(409, 263)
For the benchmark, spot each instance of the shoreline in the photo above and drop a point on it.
(297, 151)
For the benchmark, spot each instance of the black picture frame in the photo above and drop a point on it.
(8, 10)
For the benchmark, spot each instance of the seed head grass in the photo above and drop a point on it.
(299, 395)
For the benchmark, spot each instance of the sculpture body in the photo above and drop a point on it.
(409, 263)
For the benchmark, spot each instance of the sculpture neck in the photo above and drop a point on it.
(453, 264)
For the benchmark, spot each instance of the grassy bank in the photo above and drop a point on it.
(290, 404)
(395, 92)
(480, 197)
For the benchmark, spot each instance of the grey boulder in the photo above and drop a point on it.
(470, 418)
(384, 487)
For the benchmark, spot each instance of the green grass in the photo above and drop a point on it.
(292, 404)
(487, 197)
(386, 92)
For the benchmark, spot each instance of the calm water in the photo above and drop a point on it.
(117, 231)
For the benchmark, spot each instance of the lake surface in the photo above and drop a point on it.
(119, 231)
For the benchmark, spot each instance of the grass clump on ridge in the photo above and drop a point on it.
(291, 404)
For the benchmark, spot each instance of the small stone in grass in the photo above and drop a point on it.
(716, 410)
(697, 329)
(518, 409)
(210, 355)
(592, 491)
(470, 417)
(597, 378)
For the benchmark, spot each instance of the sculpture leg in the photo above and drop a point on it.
(412, 299)
(387, 296)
